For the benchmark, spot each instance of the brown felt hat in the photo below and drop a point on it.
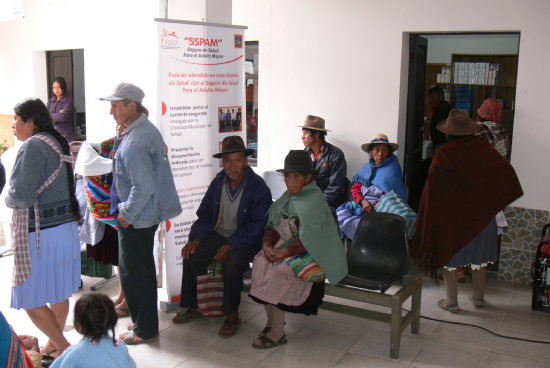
(314, 123)
(232, 144)
(458, 123)
(297, 161)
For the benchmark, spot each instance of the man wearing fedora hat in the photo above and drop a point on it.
(229, 229)
(327, 159)
(148, 196)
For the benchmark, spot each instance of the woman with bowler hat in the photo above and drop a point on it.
(299, 224)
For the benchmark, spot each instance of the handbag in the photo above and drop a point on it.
(210, 292)
(303, 265)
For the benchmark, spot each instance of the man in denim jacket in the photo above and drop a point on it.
(148, 196)
(229, 229)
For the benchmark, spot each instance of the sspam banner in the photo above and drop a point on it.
(202, 98)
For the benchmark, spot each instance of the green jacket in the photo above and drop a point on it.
(318, 231)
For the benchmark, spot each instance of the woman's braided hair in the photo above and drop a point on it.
(34, 109)
(94, 316)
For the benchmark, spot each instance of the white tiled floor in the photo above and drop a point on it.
(335, 340)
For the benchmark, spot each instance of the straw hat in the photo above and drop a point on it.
(458, 123)
(377, 139)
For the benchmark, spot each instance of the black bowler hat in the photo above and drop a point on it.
(297, 161)
(232, 144)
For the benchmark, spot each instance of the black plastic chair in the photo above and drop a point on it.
(379, 252)
(378, 257)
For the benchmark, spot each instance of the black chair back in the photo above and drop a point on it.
(379, 252)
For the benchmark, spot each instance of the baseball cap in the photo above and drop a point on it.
(125, 91)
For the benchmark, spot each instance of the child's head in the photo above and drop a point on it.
(94, 316)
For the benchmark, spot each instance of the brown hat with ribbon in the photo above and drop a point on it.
(314, 123)
(458, 123)
(233, 144)
(297, 161)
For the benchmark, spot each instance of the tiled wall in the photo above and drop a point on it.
(519, 243)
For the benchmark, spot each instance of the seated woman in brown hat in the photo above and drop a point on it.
(469, 182)
(300, 247)
(380, 175)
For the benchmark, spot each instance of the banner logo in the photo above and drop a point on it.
(169, 40)
(238, 41)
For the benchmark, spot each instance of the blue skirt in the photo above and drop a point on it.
(483, 249)
(56, 275)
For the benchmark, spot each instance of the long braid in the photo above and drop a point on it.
(70, 175)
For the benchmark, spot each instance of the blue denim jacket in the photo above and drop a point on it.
(143, 178)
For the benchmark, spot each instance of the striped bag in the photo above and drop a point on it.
(305, 267)
(210, 292)
(392, 203)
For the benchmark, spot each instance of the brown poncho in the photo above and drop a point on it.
(469, 182)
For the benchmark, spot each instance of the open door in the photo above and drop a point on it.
(414, 170)
(60, 64)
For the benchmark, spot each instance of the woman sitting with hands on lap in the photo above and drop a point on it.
(300, 229)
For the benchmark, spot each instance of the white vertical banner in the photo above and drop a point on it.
(202, 100)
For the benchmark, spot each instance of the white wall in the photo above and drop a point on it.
(441, 47)
(343, 61)
(119, 42)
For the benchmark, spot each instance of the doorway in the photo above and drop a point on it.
(69, 64)
(435, 60)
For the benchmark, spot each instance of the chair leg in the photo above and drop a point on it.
(395, 334)
(415, 308)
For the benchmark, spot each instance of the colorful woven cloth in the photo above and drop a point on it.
(98, 189)
(393, 203)
(98, 197)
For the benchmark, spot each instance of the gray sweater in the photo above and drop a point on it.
(34, 164)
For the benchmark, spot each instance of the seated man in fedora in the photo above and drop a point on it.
(328, 160)
(229, 229)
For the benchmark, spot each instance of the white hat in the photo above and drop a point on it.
(125, 91)
(90, 163)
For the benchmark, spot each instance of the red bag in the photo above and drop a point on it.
(210, 293)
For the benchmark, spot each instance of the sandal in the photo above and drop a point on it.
(187, 316)
(227, 325)
(129, 338)
(122, 312)
(478, 303)
(264, 342)
(453, 308)
(265, 331)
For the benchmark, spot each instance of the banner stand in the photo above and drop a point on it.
(201, 84)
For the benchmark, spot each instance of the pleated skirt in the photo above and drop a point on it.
(56, 275)
(483, 249)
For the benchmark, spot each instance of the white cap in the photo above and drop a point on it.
(90, 163)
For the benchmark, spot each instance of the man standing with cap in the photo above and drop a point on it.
(328, 160)
(229, 229)
(145, 185)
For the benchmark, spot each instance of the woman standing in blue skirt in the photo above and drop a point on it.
(45, 235)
